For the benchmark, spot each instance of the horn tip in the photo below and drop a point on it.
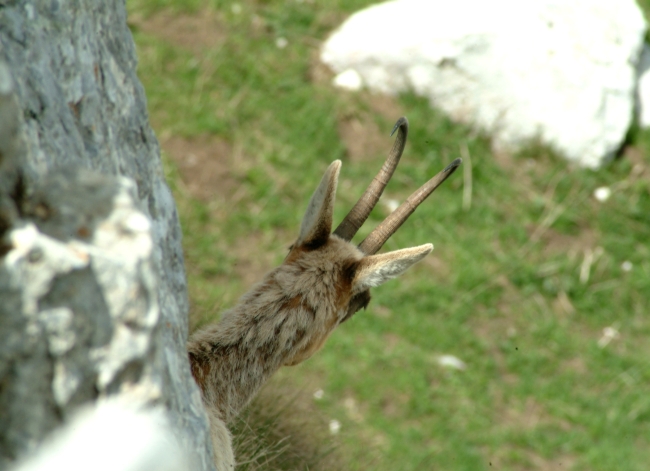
(402, 121)
(453, 166)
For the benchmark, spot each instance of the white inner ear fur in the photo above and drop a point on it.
(375, 270)
(317, 221)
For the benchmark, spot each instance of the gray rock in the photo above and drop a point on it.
(643, 89)
(89, 441)
(85, 311)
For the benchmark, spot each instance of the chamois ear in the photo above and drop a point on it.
(375, 270)
(317, 223)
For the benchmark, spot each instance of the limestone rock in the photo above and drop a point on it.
(106, 310)
(83, 310)
(559, 71)
(113, 435)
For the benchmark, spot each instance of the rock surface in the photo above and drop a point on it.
(91, 306)
(643, 91)
(89, 442)
(559, 71)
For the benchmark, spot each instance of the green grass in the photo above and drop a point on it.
(509, 288)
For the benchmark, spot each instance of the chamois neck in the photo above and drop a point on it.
(231, 361)
(278, 322)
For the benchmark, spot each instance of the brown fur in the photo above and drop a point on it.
(289, 315)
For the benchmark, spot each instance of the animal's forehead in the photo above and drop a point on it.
(335, 250)
(342, 249)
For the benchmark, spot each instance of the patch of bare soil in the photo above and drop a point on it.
(533, 462)
(494, 330)
(394, 405)
(359, 131)
(358, 128)
(319, 73)
(526, 415)
(205, 164)
(519, 169)
(575, 365)
(384, 105)
(211, 170)
(363, 139)
(552, 464)
(255, 256)
(637, 159)
(571, 245)
(192, 32)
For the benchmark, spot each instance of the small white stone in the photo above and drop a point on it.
(452, 362)
(281, 42)
(319, 394)
(602, 193)
(349, 80)
(609, 333)
(335, 426)
(627, 266)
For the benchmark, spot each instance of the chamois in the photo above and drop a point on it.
(323, 281)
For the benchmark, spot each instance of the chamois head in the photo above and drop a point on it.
(334, 276)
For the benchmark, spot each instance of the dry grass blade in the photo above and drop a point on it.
(281, 430)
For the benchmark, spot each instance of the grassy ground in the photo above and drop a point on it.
(525, 277)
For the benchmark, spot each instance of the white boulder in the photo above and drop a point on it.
(559, 71)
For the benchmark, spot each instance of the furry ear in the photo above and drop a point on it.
(375, 270)
(317, 223)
